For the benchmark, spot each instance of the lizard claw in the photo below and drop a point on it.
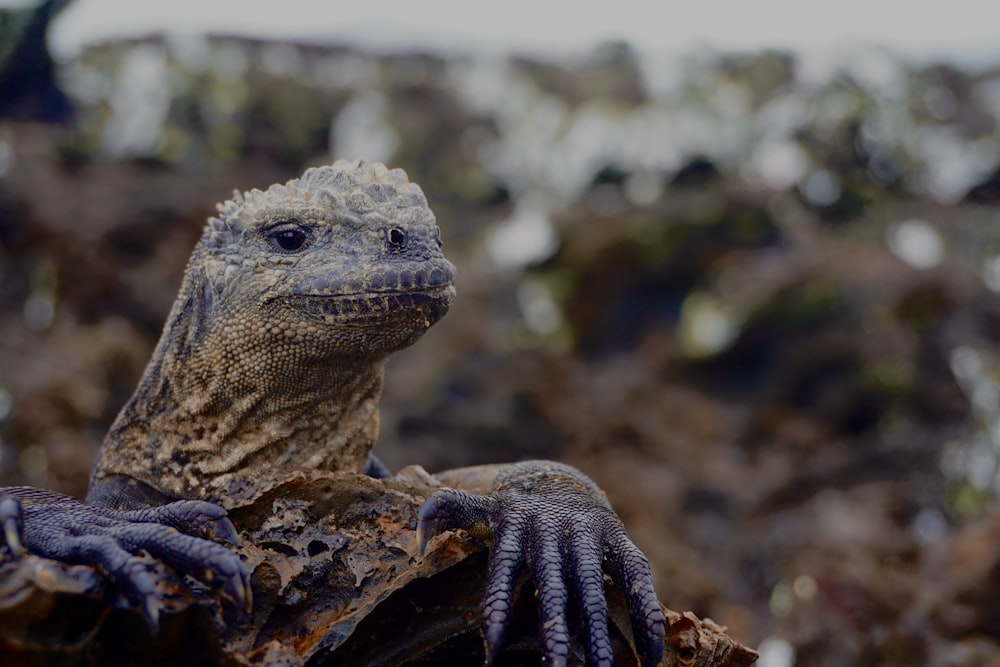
(139, 589)
(447, 509)
(236, 585)
(427, 524)
(12, 521)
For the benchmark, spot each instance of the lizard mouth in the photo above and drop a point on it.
(425, 306)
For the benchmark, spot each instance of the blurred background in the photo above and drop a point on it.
(739, 264)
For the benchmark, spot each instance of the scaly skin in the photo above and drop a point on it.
(272, 361)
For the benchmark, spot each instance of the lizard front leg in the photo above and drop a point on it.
(553, 519)
(52, 525)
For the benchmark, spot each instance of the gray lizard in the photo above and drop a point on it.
(272, 360)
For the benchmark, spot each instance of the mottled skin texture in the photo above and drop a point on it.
(272, 361)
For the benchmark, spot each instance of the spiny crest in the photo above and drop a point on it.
(366, 190)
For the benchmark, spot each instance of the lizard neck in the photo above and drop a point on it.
(223, 409)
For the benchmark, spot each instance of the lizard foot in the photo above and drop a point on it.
(55, 526)
(555, 521)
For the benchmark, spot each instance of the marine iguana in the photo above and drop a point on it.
(272, 360)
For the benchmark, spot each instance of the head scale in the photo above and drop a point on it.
(361, 191)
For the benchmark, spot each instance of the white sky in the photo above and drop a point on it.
(968, 29)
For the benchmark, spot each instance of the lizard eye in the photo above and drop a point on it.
(288, 238)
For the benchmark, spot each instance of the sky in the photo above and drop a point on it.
(958, 29)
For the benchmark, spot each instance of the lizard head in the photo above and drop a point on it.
(272, 357)
(344, 261)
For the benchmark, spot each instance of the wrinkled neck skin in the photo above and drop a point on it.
(228, 405)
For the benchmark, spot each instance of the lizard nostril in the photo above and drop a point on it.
(397, 237)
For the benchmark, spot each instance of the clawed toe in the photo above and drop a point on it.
(193, 517)
(448, 509)
(629, 569)
(235, 582)
(12, 523)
